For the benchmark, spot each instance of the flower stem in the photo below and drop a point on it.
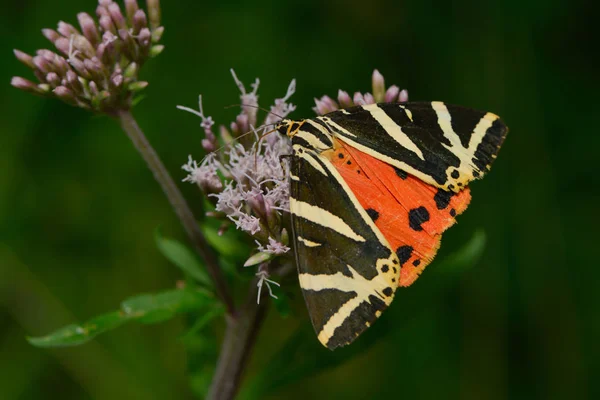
(240, 335)
(183, 211)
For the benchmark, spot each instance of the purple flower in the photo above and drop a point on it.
(246, 179)
(96, 67)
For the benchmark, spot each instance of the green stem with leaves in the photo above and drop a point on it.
(182, 209)
(244, 323)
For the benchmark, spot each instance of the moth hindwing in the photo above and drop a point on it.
(348, 270)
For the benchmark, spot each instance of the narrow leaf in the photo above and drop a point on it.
(143, 308)
(182, 257)
(73, 335)
(152, 308)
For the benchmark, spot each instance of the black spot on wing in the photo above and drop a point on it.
(404, 253)
(416, 217)
(388, 291)
(400, 173)
(372, 213)
(442, 198)
(416, 263)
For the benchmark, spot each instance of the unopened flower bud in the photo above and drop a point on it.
(208, 145)
(157, 34)
(50, 34)
(369, 98)
(88, 27)
(42, 64)
(403, 97)
(117, 80)
(115, 13)
(106, 23)
(137, 86)
(153, 13)
(378, 87)
(156, 50)
(24, 58)
(63, 45)
(131, 70)
(344, 99)
(131, 6)
(65, 94)
(24, 84)
(358, 99)
(53, 79)
(144, 38)
(67, 29)
(73, 82)
(391, 95)
(258, 258)
(225, 134)
(139, 21)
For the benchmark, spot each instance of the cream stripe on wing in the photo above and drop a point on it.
(324, 218)
(393, 129)
(479, 132)
(312, 139)
(355, 283)
(308, 243)
(445, 122)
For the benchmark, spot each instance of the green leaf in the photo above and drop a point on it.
(183, 258)
(152, 308)
(73, 335)
(147, 308)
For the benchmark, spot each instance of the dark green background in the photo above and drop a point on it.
(78, 207)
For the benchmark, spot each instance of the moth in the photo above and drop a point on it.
(372, 188)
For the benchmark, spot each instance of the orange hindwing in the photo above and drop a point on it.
(410, 213)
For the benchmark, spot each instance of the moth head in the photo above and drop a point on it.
(289, 127)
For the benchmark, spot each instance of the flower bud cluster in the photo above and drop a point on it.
(97, 65)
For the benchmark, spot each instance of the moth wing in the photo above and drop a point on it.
(444, 145)
(347, 271)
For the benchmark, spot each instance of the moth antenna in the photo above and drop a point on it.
(257, 107)
(258, 144)
(253, 130)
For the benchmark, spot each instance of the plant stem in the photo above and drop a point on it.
(240, 335)
(178, 203)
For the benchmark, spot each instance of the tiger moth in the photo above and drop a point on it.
(372, 188)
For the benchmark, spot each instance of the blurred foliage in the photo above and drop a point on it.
(78, 208)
